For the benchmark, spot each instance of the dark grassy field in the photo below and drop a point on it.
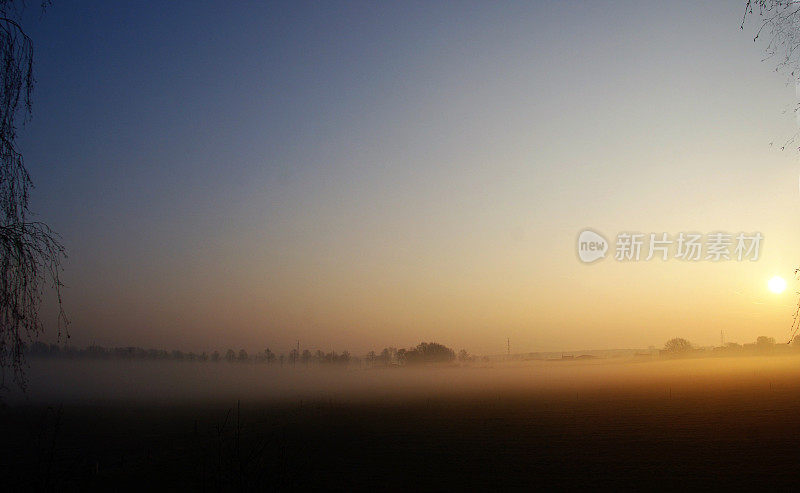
(714, 427)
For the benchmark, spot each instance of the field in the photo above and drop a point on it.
(715, 423)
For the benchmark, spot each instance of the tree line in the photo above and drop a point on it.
(424, 352)
(763, 344)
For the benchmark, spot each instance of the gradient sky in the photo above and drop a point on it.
(369, 174)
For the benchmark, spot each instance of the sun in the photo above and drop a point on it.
(777, 284)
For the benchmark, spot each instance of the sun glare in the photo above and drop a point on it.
(777, 284)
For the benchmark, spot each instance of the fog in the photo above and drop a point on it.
(166, 382)
(620, 422)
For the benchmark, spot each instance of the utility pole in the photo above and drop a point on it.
(508, 346)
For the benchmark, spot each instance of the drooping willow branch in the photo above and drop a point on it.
(30, 252)
(779, 24)
(30, 260)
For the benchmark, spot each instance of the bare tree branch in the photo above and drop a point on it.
(30, 252)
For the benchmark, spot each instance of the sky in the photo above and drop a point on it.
(362, 175)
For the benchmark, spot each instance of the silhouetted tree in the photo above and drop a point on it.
(96, 351)
(230, 355)
(678, 345)
(427, 352)
(330, 357)
(388, 356)
(215, 356)
(764, 343)
(30, 252)
(242, 355)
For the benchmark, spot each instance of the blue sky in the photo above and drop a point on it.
(363, 174)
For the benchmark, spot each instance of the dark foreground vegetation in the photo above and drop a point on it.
(710, 425)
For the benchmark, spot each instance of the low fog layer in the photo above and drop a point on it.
(70, 381)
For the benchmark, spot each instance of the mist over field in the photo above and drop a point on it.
(165, 382)
(626, 424)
